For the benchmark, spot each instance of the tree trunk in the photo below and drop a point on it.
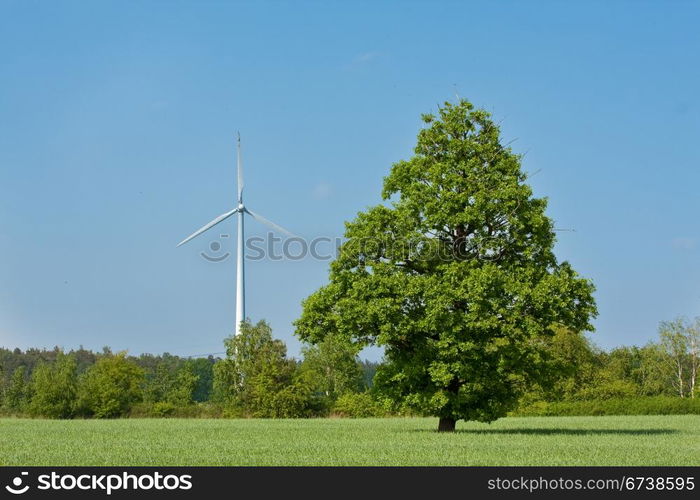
(693, 377)
(693, 367)
(446, 424)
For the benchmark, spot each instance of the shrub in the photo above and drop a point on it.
(163, 409)
(268, 397)
(613, 389)
(358, 405)
(656, 405)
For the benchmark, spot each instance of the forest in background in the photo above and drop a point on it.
(257, 379)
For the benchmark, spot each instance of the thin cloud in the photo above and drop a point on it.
(322, 191)
(363, 59)
(684, 243)
(366, 57)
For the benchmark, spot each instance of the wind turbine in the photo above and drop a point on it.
(241, 210)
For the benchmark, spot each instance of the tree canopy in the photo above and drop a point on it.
(109, 387)
(455, 276)
(334, 367)
(258, 378)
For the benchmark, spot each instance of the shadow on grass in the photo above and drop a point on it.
(559, 432)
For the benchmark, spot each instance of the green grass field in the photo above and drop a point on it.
(642, 440)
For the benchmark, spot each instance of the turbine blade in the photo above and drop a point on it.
(209, 225)
(239, 164)
(274, 226)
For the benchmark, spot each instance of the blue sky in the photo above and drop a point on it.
(117, 125)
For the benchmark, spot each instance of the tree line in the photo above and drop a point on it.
(257, 378)
(667, 367)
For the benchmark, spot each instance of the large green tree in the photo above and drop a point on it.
(456, 278)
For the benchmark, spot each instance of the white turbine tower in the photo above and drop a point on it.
(241, 210)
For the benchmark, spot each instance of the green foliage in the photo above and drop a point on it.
(358, 405)
(173, 383)
(46, 380)
(182, 393)
(573, 365)
(574, 361)
(334, 368)
(457, 280)
(11, 360)
(169, 410)
(646, 367)
(369, 370)
(583, 372)
(674, 342)
(657, 405)
(41, 382)
(54, 388)
(110, 387)
(610, 388)
(160, 375)
(274, 397)
(18, 393)
(259, 379)
(224, 383)
(680, 340)
(203, 369)
(163, 409)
